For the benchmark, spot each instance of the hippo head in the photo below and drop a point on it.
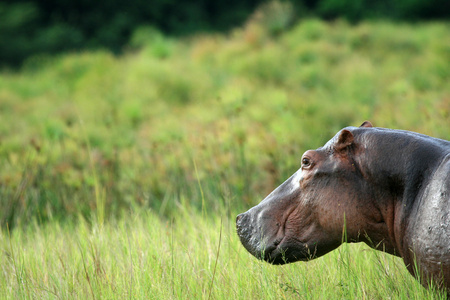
(307, 215)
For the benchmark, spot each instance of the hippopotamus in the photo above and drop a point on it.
(388, 188)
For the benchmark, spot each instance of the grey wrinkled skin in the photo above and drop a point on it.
(429, 225)
(388, 188)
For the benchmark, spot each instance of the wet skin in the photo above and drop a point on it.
(387, 188)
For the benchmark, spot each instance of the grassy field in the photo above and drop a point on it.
(142, 257)
(120, 177)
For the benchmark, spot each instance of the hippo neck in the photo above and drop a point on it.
(399, 164)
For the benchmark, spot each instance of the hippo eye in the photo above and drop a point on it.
(306, 162)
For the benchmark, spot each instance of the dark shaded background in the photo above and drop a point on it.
(53, 26)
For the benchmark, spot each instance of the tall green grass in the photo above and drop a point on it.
(139, 256)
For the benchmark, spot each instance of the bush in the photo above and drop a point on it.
(217, 123)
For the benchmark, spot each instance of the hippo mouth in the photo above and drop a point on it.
(276, 252)
(274, 249)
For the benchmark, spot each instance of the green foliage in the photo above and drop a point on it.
(274, 16)
(154, 42)
(35, 27)
(16, 24)
(93, 134)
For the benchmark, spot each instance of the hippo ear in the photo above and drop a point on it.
(344, 140)
(366, 124)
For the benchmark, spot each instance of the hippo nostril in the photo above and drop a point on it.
(241, 218)
(238, 217)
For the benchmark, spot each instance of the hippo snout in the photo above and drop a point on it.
(248, 234)
(251, 230)
(245, 232)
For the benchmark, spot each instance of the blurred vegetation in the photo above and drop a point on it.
(212, 121)
(31, 27)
